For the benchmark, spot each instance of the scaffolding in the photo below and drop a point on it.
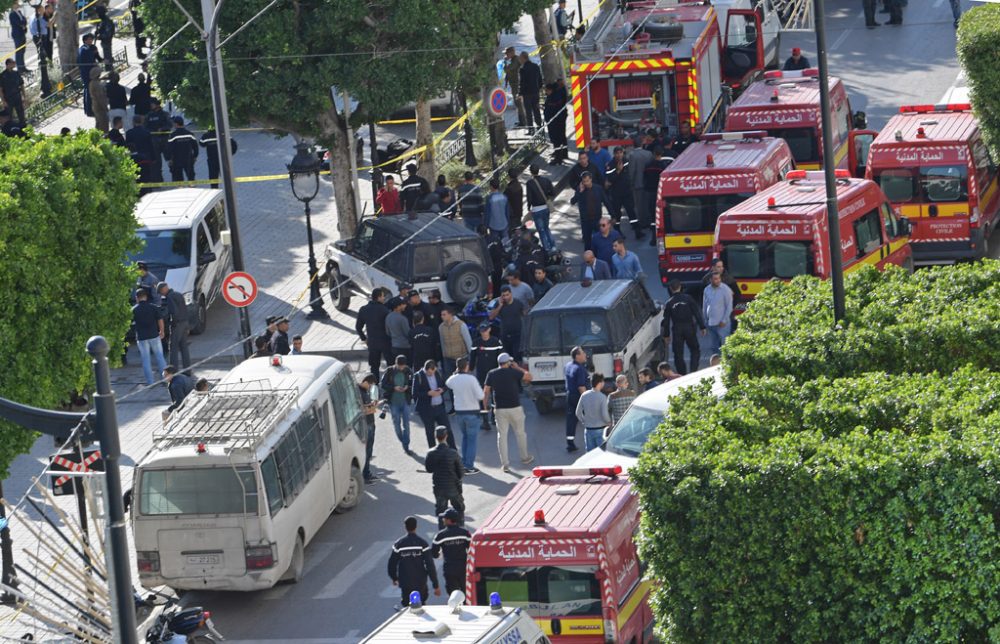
(238, 415)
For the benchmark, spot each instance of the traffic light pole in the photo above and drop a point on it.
(829, 171)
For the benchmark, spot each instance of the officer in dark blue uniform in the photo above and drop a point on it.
(453, 541)
(410, 564)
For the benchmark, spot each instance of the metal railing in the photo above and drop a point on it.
(40, 111)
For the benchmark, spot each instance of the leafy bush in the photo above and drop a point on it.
(856, 509)
(979, 50)
(936, 319)
(66, 205)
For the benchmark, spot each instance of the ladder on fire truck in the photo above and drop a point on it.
(795, 15)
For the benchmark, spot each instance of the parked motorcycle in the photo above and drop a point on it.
(177, 625)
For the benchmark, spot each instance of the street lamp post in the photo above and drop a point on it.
(303, 172)
(829, 169)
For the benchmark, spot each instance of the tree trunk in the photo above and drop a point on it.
(334, 137)
(67, 37)
(425, 136)
(551, 57)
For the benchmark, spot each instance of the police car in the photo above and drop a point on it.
(459, 624)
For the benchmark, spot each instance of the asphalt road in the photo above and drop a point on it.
(346, 592)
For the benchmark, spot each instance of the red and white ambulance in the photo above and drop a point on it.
(561, 546)
(709, 177)
(934, 167)
(786, 105)
(784, 231)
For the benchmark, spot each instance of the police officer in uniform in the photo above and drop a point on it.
(453, 541)
(680, 315)
(410, 564)
(412, 188)
(182, 150)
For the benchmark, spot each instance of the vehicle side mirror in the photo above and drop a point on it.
(860, 120)
(206, 258)
(903, 226)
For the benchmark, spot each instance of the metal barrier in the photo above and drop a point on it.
(44, 109)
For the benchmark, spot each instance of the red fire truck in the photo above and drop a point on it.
(657, 65)
(561, 546)
(786, 105)
(784, 231)
(709, 177)
(933, 165)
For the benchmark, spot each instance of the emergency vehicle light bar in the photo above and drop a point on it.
(734, 136)
(546, 472)
(941, 107)
(814, 175)
(811, 72)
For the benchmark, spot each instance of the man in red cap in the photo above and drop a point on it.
(797, 61)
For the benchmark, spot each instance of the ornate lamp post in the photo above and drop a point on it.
(303, 172)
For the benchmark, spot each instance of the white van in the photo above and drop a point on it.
(458, 624)
(629, 435)
(244, 475)
(185, 239)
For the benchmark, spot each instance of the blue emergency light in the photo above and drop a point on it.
(495, 602)
(415, 599)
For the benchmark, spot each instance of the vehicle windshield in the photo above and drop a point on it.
(165, 248)
(198, 490)
(764, 260)
(691, 214)
(543, 591)
(632, 431)
(554, 331)
(801, 140)
(928, 184)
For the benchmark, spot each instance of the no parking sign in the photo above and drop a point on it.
(498, 102)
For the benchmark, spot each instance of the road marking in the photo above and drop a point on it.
(316, 552)
(349, 574)
(840, 39)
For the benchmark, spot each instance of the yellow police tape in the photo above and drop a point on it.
(276, 177)
(399, 121)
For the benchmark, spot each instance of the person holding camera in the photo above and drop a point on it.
(370, 406)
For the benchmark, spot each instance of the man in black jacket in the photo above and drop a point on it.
(530, 86)
(680, 315)
(410, 564)
(279, 339)
(453, 541)
(371, 318)
(423, 342)
(428, 392)
(396, 387)
(446, 469)
(179, 385)
(180, 324)
(182, 150)
(158, 124)
(412, 188)
(18, 33)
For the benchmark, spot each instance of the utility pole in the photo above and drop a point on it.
(829, 171)
(210, 33)
(106, 427)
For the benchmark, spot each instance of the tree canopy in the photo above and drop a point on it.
(279, 70)
(67, 204)
(844, 486)
(979, 50)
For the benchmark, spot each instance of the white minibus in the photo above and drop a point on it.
(244, 475)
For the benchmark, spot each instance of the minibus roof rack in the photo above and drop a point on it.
(238, 414)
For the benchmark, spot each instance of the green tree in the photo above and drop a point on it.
(279, 70)
(67, 204)
(844, 486)
(979, 50)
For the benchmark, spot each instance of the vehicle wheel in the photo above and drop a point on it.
(354, 491)
(294, 572)
(543, 404)
(202, 317)
(338, 290)
(466, 281)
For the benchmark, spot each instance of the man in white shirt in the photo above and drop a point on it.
(468, 395)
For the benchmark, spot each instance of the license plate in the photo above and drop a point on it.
(545, 366)
(694, 257)
(204, 560)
